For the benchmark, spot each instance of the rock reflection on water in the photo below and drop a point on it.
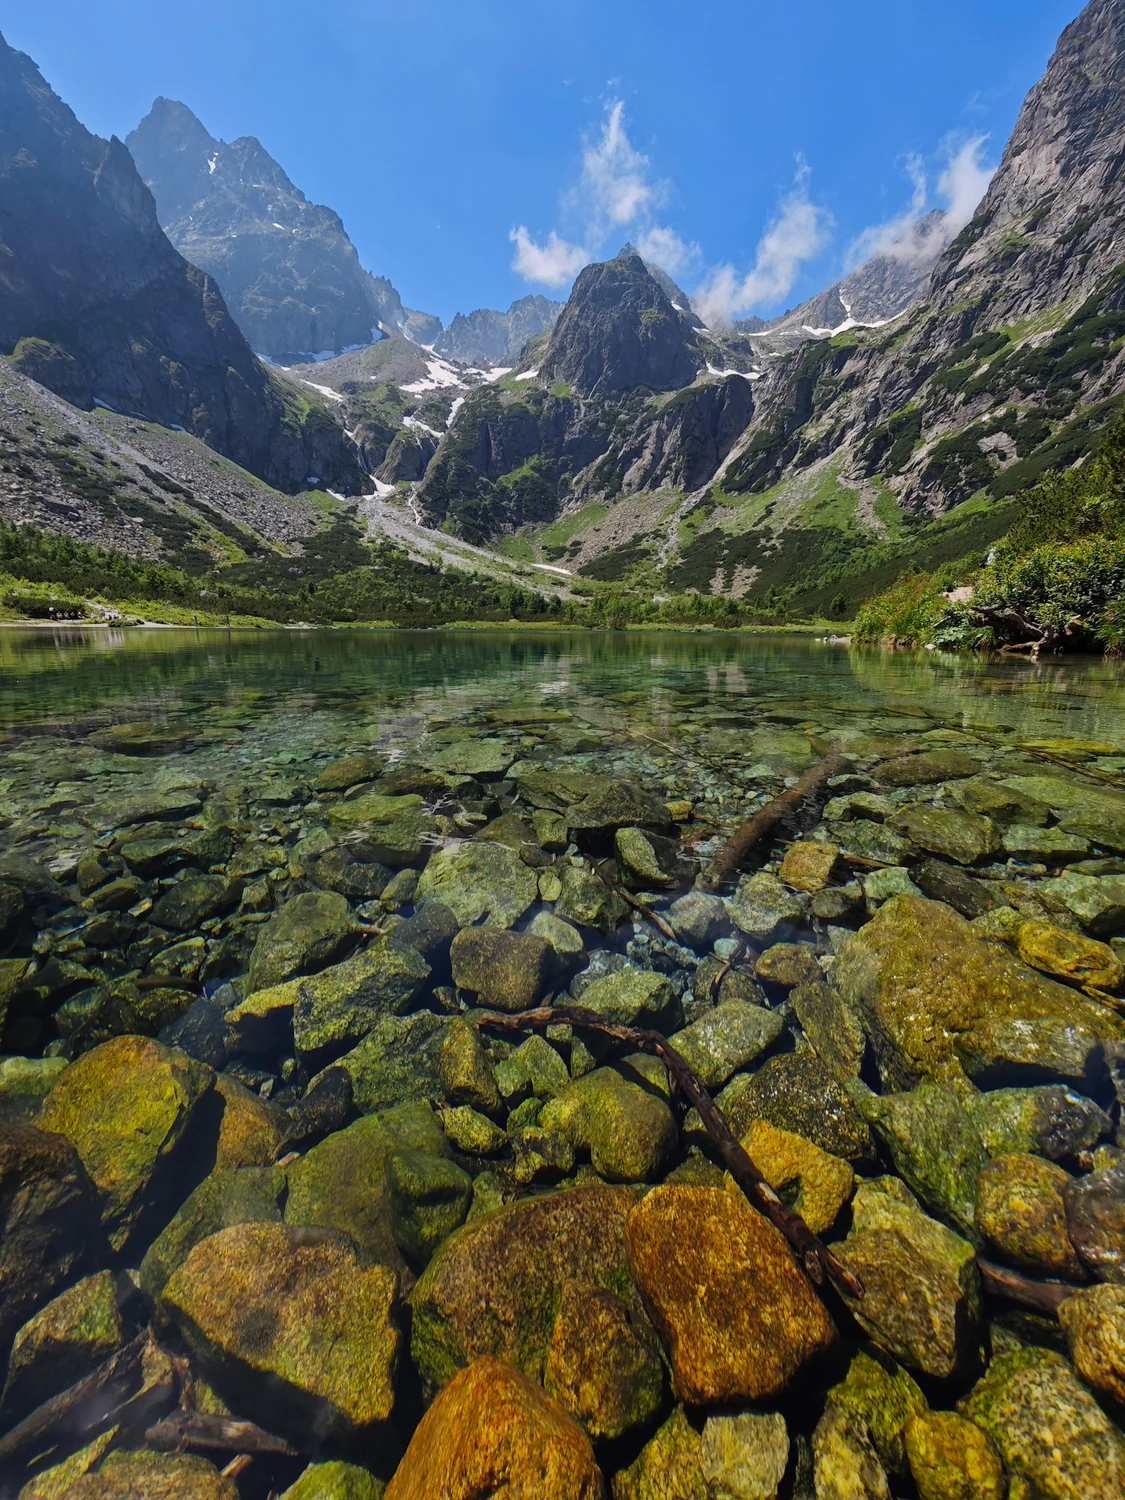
(256, 887)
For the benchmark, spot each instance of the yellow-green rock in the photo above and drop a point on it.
(788, 964)
(63, 1342)
(635, 997)
(126, 1105)
(341, 1004)
(961, 836)
(813, 1182)
(744, 1455)
(1054, 1439)
(291, 1327)
(603, 1366)
(428, 1197)
(1070, 955)
(808, 865)
(252, 1130)
(845, 1463)
(738, 1319)
(934, 998)
(393, 830)
(1021, 1211)
(335, 1481)
(629, 1133)
(584, 898)
(308, 933)
(471, 1132)
(465, 1070)
(1094, 1323)
(130, 1475)
(505, 970)
(480, 880)
(350, 771)
(667, 1467)
(884, 1397)
(951, 1458)
(55, 1483)
(727, 1038)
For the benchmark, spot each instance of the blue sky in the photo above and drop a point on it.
(756, 148)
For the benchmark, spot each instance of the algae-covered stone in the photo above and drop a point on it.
(934, 998)
(63, 1342)
(534, 1067)
(808, 865)
(1097, 901)
(48, 1219)
(1021, 1211)
(291, 1327)
(1095, 813)
(934, 1144)
(1070, 955)
(697, 918)
(872, 842)
(393, 831)
(796, 1092)
(55, 1483)
(127, 1474)
(252, 1131)
(788, 964)
(1043, 845)
(1053, 1437)
(584, 898)
(667, 1467)
(565, 940)
(472, 757)
(881, 885)
(604, 1366)
(833, 1032)
(957, 888)
(341, 1184)
(952, 1458)
(29, 1077)
(921, 1301)
(1095, 1221)
(478, 881)
(505, 970)
(349, 771)
(246, 1195)
(471, 1132)
(550, 830)
(616, 805)
(1094, 1323)
(725, 1039)
(761, 905)
(884, 1397)
(744, 1455)
(648, 861)
(126, 1105)
(846, 1465)
(492, 1431)
(999, 802)
(429, 1197)
(398, 1060)
(629, 1133)
(308, 933)
(737, 1317)
(494, 1287)
(335, 1480)
(961, 836)
(1053, 1121)
(189, 902)
(932, 765)
(814, 1183)
(635, 997)
(465, 1070)
(341, 1004)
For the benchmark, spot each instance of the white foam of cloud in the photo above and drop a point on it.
(964, 182)
(553, 263)
(913, 235)
(615, 188)
(800, 230)
(664, 248)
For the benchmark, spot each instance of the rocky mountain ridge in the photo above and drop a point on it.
(98, 306)
(486, 337)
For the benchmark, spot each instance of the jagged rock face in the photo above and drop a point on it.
(1046, 229)
(97, 305)
(286, 267)
(619, 331)
(486, 337)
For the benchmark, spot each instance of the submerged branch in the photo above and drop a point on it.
(818, 1261)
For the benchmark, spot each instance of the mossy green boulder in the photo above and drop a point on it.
(335, 1480)
(667, 1467)
(63, 1342)
(1021, 1214)
(308, 933)
(796, 1092)
(936, 999)
(246, 1195)
(963, 837)
(1054, 1438)
(922, 1297)
(727, 1038)
(629, 1132)
(762, 904)
(1052, 1120)
(392, 830)
(428, 1197)
(585, 899)
(471, 1132)
(398, 1060)
(813, 1182)
(126, 1474)
(952, 1458)
(477, 881)
(465, 1070)
(884, 1397)
(1094, 1323)
(635, 997)
(504, 970)
(604, 1364)
(340, 1005)
(350, 770)
(291, 1327)
(186, 904)
(126, 1105)
(495, 1286)
(846, 1465)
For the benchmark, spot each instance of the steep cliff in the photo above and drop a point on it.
(487, 337)
(98, 306)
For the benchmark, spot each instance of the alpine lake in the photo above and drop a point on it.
(280, 1214)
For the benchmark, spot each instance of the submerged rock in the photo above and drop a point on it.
(1094, 1323)
(884, 1398)
(1069, 955)
(737, 1317)
(744, 1456)
(761, 905)
(1053, 1437)
(952, 1458)
(505, 970)
(428, 1197)
(726, 1039)
(465, 1070)
(398, 1060)
(492, 1431)
(584, 898)
(126, 1105)
(845, 1463)
(125, 1474)
(1052, 1121)
(341, 1004)
(62, 1343)
(934, 998)
(635, 997)
(667, 1467)
(392, 831)
(308, 933)
(795, 1092)
(478, 881)
(812, 1182)
(1095, 1221)
(335, 1480)
(292, 1327)
(1021, 1211)
(808, 865)
(961, 836)
(604, 1364)
(629, 1133)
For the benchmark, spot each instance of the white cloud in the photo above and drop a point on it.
(964, 182)
(614, 189)
(551, 264)
(664, 248)
(800, 231)
(915, 237)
